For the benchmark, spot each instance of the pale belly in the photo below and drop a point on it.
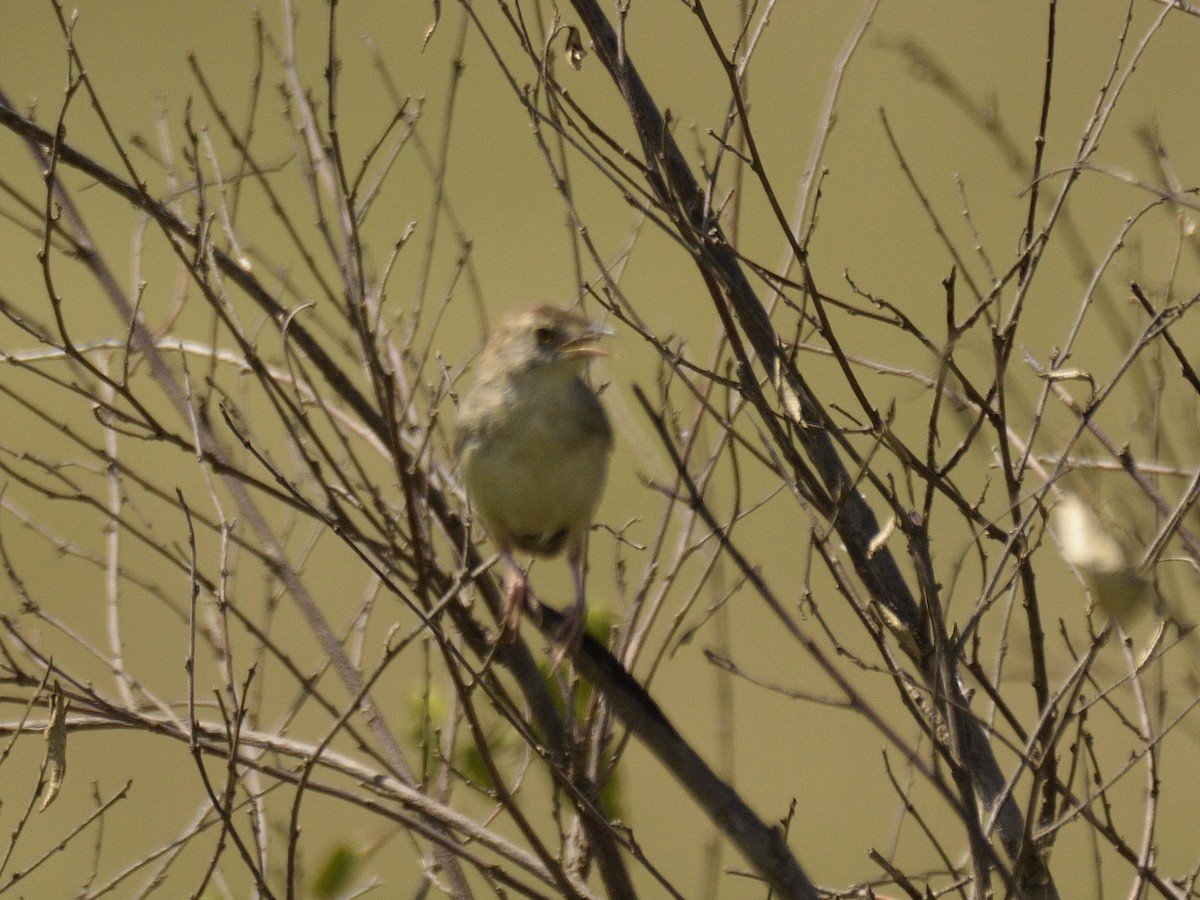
(528, 484)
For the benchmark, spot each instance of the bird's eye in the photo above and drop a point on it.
(545, 336)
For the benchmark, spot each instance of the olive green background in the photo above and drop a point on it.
(871, 226)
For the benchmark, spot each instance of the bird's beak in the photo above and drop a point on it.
(584, 346)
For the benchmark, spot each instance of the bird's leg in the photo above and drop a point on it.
(515, 595)
(570, 632)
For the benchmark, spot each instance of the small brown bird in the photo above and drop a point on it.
(533, 442)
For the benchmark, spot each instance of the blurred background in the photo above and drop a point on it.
(898, 137)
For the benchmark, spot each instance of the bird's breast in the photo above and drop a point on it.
(537, 475)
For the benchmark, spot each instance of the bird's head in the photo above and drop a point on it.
(544, 340)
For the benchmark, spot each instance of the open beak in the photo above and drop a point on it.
(584, 345)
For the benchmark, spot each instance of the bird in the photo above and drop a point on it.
(533, 444)
(1106, 562)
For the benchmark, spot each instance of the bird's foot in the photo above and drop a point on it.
(515, 598)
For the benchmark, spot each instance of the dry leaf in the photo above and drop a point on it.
(575, 51)
(1103, 560)
(56, 746)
